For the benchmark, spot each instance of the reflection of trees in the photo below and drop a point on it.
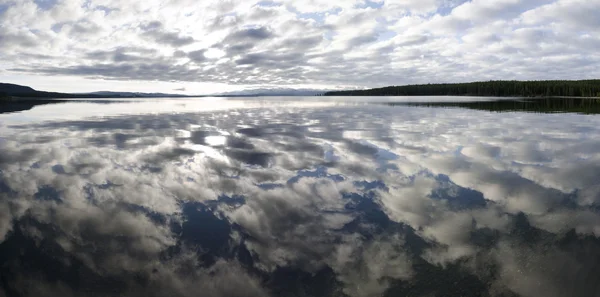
(583, 88)
(548, 105)
(8, 105)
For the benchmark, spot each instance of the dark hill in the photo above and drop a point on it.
(12, 89)
(18, 91)
(22, 92)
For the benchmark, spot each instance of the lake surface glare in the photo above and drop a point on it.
(301, 196)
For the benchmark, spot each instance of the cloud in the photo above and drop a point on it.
(260, 33)
(120, 55)
(17, 39)
(375, 42)
(156, 31)
(575, 14)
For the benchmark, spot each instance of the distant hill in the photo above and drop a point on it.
(133, 94)
(18, 91)
(548, 88)
(9, 89)
(272, 92)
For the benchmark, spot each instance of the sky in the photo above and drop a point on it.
(200, 47)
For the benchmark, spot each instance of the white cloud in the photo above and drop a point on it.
(311, 42)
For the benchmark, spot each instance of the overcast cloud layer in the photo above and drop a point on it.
(306, 42)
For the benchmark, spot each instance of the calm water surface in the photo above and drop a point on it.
(300, 197)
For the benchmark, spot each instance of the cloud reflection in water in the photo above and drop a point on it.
(329, 201)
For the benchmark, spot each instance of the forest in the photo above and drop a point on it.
(548, 88)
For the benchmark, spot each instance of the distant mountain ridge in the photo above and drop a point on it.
(273, 92)
(18, 91)
(133, 94)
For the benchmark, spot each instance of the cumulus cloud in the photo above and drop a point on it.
(354, 43)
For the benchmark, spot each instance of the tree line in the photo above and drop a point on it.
(548, 88)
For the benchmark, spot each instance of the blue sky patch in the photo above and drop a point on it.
(268, 4)
(57, 27)
(45, 4)
(386, 35)
(3, 8)
(371, 4)
(106, 10)
(317, 16)
(446, 8)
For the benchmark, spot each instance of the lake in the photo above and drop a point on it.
(300, 196)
